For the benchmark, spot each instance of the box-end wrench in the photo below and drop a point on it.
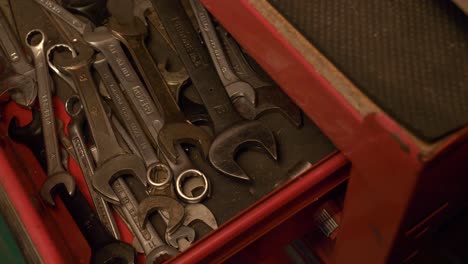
(147, 112)
(270, 97)
(176, 129)
(234, 86)
(103, 246)
(22, 84)
(56, 174)
(113, 161)
(233, 132)
(84, 159)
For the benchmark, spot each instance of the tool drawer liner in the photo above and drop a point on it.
(409, 56)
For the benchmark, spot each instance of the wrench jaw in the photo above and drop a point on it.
(199, 212)
(22, 89)
(270, 100)
(173, 208)
(176, 133)
(230, 141)
(53, 181)
(122, 165)
(184, 232)
(117, 252)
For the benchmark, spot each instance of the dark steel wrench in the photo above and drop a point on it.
(84, 159)
(56, 174)
(176, 129)
(270, 98)
(113, 161)
(233, 132)
(147, 112)
(22, 84)
(234, 86)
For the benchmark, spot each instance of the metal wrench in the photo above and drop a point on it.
(113, 161)
(233, 132)
(270, 97)
(234, 86)
(56, 174)
(22, 84)
(74, 110)
(147, 112)
(176, 129)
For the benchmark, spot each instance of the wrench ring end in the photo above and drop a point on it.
(191, 173)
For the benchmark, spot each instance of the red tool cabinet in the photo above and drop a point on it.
(401, 187)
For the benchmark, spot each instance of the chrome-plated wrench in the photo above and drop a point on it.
(86, 162)
(21, 85)
(56, 174)
(113, 161)
(235, 87)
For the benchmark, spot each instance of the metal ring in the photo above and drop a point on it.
(70, 103)
(31, 34)
(191, 173)
(153, 170)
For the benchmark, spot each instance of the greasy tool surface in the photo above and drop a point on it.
(21, 84)
(270, 97)
(226, 121)
(417, 50)
(56, 174)
(132, 35)
(113, 161)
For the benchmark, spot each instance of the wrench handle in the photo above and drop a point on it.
(195, 58)
(97, 118)
(153, 78)
(210, 37)
(87, 221)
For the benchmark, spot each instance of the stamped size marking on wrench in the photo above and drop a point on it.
(113, 161)
(56, 174)
(234, 86)
(232, 131)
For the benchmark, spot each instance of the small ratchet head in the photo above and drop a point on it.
(152, 203)
(241, 135)
(176, 133)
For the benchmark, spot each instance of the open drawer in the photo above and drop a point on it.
(308, 168)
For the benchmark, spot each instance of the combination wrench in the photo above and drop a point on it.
(270, 97)
(233, 132)
(103, 246)
(113, 161)
(176, 128)
(234, 86)
(21, 85)
(142, 144)
(56, 174)
(148, 114)
(74, 109)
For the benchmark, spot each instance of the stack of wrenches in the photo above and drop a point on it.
(128, 131)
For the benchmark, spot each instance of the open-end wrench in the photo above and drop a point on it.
(113, 161)
(233, 132)
(146, 151)
(56, 174)
(234, 86)
(94, 10)
(147, 112)
(270, 98)
(197, 212)
(176, 129)
(21, 85)
(103, 246)
(84, 159)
